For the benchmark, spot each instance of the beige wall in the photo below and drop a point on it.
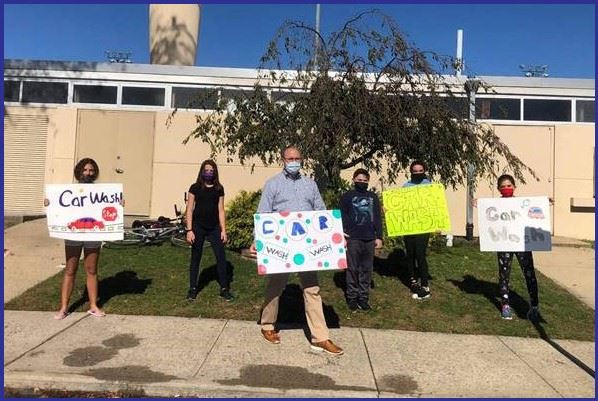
(574, 172)
(176, 165)
(62, 127)
(562, 155)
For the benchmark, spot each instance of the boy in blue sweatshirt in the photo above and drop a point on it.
(362, 224)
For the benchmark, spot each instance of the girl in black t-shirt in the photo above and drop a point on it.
(205, 220)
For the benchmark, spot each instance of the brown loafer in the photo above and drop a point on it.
(328, 347)
(271, 336)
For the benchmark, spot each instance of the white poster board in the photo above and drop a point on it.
(514, 224)
(85, 212)
(290, 242)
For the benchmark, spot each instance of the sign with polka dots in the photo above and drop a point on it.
(289, 242)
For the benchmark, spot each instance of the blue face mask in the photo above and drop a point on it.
(292, 167)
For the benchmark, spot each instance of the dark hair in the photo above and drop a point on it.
(78, 170)
(361, 171)
(216, 180)
(418, 163)
(505, 177)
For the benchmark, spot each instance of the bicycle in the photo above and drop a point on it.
(154, 232)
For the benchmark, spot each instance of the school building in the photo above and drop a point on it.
(58, 112)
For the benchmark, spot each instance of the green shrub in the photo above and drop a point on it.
(239, 219)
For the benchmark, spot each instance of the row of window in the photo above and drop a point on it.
(185, 97)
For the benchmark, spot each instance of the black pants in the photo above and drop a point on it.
(213, 236)
(360, 258)
(415, 248)
(526, 262)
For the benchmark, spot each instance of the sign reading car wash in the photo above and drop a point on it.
(85, 212)
(514, 224)
(290, 242)
(416, 210)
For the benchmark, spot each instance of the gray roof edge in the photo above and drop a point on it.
(53, 65)
(251, 73)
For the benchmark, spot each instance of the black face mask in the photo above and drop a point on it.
(361, 186)
(87, 179)
(417, 177)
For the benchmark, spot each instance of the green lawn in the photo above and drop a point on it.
(154, 280)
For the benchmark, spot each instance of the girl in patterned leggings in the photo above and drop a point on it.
(506, 187)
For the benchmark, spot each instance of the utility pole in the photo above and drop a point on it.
(471, 87)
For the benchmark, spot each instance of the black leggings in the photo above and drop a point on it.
(526, 262)
(415, 247)
(213, 236)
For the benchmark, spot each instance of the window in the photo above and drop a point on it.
(11, 91)
(94, 94)
(498, 109)
(143, 96)
(458, 105)
(287, 97)
(45, 92)
(232, 96)
(546, 110)
(194, 98)
(585, 111)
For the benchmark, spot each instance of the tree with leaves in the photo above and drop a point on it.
(362, 96)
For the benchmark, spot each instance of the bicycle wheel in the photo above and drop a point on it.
(133, 237)
(180, 239)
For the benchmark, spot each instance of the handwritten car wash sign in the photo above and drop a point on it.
(514, 224)
(416, 210)
(289, 242)
(85, 212)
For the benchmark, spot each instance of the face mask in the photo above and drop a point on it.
(86, 179)
(207, 175)
(361, 186)
(506, 192)
(418, 177)
(293, 167)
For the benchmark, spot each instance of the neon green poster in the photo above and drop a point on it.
(416, 210)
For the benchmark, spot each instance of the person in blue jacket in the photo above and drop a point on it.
(362, 224)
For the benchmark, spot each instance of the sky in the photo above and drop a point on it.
(497, 38)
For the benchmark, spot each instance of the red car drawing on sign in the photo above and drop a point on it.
(86, 223)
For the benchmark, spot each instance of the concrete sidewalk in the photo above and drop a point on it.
(169, 356)
(183, 357)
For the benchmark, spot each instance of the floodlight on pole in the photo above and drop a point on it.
(534, 70)
(118, 56)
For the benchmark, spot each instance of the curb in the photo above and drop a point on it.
(19, 383)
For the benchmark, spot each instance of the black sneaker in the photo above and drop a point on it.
(226, 294)
(352, 305)
(414, 287)
(192, 294)
(364, 306)
(422, 293)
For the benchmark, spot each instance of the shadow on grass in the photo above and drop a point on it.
(124, 282)
(393, 265)
(209, 274)
(473, 285)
